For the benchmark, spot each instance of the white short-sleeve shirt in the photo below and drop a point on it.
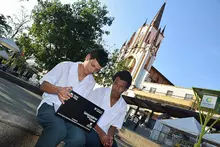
(65, 74)
(113, 116)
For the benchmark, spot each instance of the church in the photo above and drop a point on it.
(141, 50)
(152, 96)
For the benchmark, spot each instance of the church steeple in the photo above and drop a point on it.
(157, 18)
(145, 23)
(156, 37)
(124, 43)
(163, 30)
(141, 49)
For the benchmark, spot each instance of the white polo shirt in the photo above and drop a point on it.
(65, 74)
(113, 115)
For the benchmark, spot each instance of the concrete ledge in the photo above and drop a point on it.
(20, 82)
(29, 128)
(136, 140)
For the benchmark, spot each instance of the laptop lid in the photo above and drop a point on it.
(80, 111)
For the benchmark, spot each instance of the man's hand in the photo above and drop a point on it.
(110, 141)
(105, 140)
(64, 93)
(111, 132)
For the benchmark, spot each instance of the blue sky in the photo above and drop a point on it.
(190, 52)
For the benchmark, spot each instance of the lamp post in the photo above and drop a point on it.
(208, 101)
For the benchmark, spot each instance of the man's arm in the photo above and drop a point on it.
(62, 92)
(111, 131)
(49, 88)
(99, 130)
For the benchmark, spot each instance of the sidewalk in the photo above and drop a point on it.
(18, 124)
(18, 107)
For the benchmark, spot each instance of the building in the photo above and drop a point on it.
(141, 50)
(168, 94)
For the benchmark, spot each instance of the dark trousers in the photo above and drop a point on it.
(56, 129)
(93, 140)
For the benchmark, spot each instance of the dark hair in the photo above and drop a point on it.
(100, 55)
(125, 76)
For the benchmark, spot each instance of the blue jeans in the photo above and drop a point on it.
(93, 140)
(56, 129)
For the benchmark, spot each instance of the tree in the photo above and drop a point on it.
(24, 42)
(4, 27)
(18, 22)
(11, 26)
(104, 77)
(65, 32)
(19, 61)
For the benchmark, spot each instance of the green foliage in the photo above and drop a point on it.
(4, 27)
(19, 61)
(24, 42)
(62, 32)
(104, 77)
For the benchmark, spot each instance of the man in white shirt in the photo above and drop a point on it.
(115, 107)
(56, 85)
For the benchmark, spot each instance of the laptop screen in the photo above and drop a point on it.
(80, 112)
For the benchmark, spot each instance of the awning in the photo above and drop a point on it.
(143, 103)
(10, 44)
(165, 108)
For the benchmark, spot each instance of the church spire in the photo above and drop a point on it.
(124, 43)
(157, 18)
(156, 37)
(145, 23)
(163, 29)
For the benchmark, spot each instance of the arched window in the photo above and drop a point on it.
(130, 63)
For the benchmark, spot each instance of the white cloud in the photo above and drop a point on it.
(10, 7)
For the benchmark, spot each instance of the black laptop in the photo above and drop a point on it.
(80, 111)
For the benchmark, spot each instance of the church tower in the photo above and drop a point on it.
(140, 51)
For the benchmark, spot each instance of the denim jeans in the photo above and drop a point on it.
(56, 129)
(93, 140)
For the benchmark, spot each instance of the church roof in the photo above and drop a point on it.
(158, 17)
